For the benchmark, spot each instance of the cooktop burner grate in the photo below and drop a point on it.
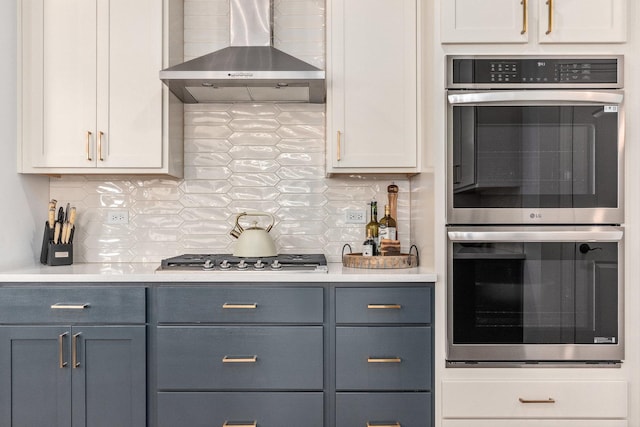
(228, 262)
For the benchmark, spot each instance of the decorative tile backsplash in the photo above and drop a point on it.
(238, 157)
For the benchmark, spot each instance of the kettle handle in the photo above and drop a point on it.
(256, 213)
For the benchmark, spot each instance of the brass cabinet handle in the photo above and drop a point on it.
(525, 17)
(65, 306)
(240, 359)
(384, 360)
(339, 157)
(384, 306)
(549, 400)
(240, 424)
(74, 351)
(386, 424)
(251, 306)
(88, 147)
(550, 18)
(100, 135)
(62, 363)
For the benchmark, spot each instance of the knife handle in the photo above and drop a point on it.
(52, 216)
(56, 233)
(72, 216)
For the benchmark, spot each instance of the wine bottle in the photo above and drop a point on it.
(369, 245)
(392, 191)
(372, 226)
(387, 226)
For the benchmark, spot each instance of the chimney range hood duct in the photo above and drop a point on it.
(250, 70)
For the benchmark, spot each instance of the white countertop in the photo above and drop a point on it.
(146, 272)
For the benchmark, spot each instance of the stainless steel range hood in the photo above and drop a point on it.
(251, 69)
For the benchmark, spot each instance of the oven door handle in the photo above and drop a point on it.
(531, 97)
(597, 235)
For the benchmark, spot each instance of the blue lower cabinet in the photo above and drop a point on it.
(384, 410)
(383, 358)
(240, 357)
(229, 409)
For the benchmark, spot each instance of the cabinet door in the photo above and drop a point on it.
(484, 21)
(373, 98)
(59, 96)
(35, 376)
(582, 21)
(129, 125)
(109, 376)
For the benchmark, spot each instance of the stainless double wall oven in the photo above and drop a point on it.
(535, 209)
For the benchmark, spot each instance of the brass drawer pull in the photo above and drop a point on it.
(384, 306)
(74, 351)
(525, 17)
(62, 363)
(65, 306)
(385, 424)
(339, 148)
(88, 146)
(100, 135)
(549, 400)
(240, 424)
(550, 17)
(251, 306)
(384, 360)
(241, 359)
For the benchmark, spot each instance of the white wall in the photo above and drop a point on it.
(24, 198)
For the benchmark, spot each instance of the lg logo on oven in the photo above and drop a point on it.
(534, 215)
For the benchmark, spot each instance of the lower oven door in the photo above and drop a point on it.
(535, 294)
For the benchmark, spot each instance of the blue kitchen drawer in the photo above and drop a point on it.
(384, 358)
(213, 304)
(384, 409)
(240, 357)
(72, 305)
(384, 305)
(210, 409)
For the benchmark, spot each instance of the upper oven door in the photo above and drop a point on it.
(535, 157)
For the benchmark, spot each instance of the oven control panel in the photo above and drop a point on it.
(536, 71)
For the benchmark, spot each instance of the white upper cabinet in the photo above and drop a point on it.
(511, 21)
(372, 86)
(484, 21)
(582, 21)
(91, 99)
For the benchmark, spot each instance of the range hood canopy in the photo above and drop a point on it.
(250, 70)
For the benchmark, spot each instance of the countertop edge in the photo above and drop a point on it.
(143, 273)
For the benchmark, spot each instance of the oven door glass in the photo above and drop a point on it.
(545, 156)
(535, 293)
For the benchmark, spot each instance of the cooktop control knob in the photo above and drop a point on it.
(224, 265)
(275, 265)
(259, 264)
(242, 265)
(208, 265)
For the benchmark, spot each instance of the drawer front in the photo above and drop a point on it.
(240, 305)
(534, 423)
(72, 305)
(383, 358)
(207, 409)
(383, 305)
(534, 399)
(384, 409)
(240, 357)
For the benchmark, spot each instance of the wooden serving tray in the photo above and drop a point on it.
(357, 260)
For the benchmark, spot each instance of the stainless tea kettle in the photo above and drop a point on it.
(253, 241)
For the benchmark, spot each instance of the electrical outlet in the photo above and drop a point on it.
(355, 216)
(118, 217)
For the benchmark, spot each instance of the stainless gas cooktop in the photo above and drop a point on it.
(227, 262)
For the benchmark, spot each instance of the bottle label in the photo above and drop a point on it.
(367, 250)
(387, 232)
